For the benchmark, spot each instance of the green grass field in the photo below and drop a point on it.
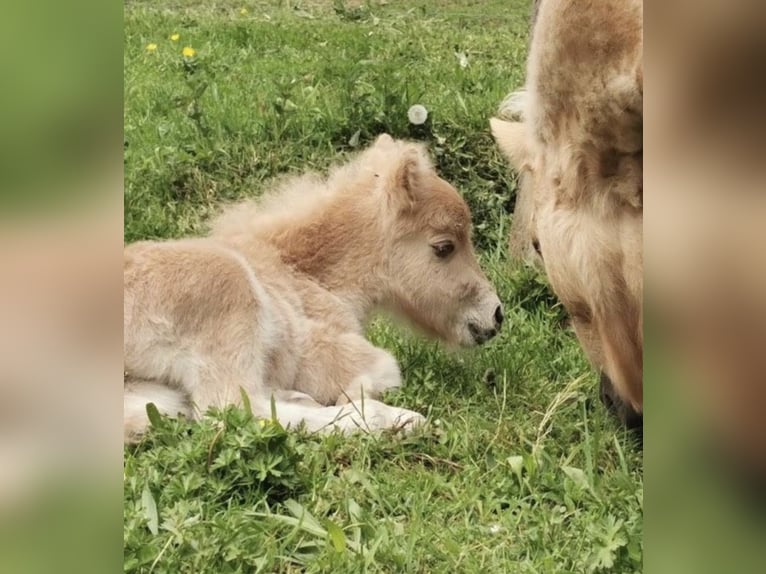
(519, 469)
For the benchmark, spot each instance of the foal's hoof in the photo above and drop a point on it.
(406, 420)
(379, 416)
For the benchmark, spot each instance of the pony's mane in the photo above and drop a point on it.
(293, 196)
(291, 199)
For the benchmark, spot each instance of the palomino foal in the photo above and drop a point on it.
(274, 301)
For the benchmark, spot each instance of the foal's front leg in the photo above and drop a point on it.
(380, 372)
(294, 408)
(346, 370)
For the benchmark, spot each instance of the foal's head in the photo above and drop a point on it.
(433, 278)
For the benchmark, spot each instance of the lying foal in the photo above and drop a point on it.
(275, 300)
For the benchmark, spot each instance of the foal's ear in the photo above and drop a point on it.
(511, 139)
(407, 176)
(383, 141)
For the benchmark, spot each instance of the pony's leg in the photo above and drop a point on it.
(198, 319)
(376, 372)
(338, 367)
(293, 409)
(137, 394)
(379, 373)
(296, 397)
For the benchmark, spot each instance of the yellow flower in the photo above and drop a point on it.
(151, 47)
(263, 422)
(175, 37)
(243, 11)
(189, 52)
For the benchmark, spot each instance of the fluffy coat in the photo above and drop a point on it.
(274, 301)
(575, 135)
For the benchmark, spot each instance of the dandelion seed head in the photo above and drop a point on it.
(417, 114)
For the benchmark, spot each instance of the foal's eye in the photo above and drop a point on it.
(443, 249)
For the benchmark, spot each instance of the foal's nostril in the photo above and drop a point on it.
(499, 317)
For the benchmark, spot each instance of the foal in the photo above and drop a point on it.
(273, 302)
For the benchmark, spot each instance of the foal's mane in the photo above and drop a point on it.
(292, 200)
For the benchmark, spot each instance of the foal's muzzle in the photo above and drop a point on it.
(483, 335)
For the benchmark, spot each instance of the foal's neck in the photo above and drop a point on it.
(340, 247)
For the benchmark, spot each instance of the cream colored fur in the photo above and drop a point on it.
(274, 301)
(575, 133)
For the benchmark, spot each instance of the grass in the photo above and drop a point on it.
(519, 468)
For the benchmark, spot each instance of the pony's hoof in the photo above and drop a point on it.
(406, 420)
